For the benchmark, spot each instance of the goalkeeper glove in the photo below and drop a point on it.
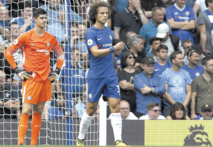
(53, 75)
(24, 75)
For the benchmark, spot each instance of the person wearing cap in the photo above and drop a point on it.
(202, 86)
(181, 18)
(149, 30)
(149, 87)
(171, 41)
(204, 22)
(177, 82)
(206, 113)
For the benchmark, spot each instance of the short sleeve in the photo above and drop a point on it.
(169, 12)
(188, 79)
(121, 76)
(201, 18)
(142, 32)
(194, 85)
(117, 21)
(90, 39)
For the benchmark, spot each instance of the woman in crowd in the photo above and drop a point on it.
(178, 112)
(126, 77)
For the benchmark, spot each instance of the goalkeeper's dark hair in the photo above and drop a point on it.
(38, 12)
(94, 10)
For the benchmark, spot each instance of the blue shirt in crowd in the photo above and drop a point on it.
(177, 82)
(20, 22)
(142, 100)
(179, 15)
(194, 72)
(159, 69)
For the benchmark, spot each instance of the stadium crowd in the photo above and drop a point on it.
(165, 70)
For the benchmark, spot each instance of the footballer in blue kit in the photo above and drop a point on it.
(102, 77)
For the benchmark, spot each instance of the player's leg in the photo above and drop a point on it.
(95, 87)
(86, 119)
(24, 121)
(45, 90)
(112, 92)
(36, 122)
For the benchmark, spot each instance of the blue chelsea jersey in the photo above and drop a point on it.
(100, 67)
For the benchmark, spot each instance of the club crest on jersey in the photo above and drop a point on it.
(90, 42)
(187, 13)
(16, 41)
(29, 98)
(48, 44)
(90, 95)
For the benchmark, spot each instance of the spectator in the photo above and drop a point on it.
(178, 112)
(125, 112)
(199, 5)
(162, 64)
(177, 82)
(157, 19)
(14, 30)
(72, 77)
(54, 7)
(58, 27)
(148, 5)
(204, 23)
(153, 112)
(206, 113)
(187, 45)
(154, 43)
(137, 47)
(9, 99)
(119, 5)
(130, 19)
(148, 87)
(25, 21)
(4, 21)
(126, 79)
(129, 35)
(181, 18)
(193, 68)
(202, 88)
(171, 41)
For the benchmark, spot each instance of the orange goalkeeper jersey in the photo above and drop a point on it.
(36, 53)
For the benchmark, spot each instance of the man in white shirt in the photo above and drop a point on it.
(125, 111)
(153, 112)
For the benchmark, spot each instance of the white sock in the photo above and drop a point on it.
(116, 123)
(84, 125)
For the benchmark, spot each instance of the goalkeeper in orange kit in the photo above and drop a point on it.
(36, 76)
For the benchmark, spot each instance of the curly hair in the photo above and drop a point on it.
(94, 10)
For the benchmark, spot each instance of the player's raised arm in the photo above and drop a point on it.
(60, 59)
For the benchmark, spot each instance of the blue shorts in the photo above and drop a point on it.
(109, 87)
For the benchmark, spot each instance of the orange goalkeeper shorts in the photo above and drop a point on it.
(34, 92)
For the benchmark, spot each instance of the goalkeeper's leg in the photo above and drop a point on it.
(36, 122)
(86, 120)
(24, 121)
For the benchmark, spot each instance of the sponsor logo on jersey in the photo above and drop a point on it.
(107, 45)
(29, 98)
(40, 50)
(89, 42)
